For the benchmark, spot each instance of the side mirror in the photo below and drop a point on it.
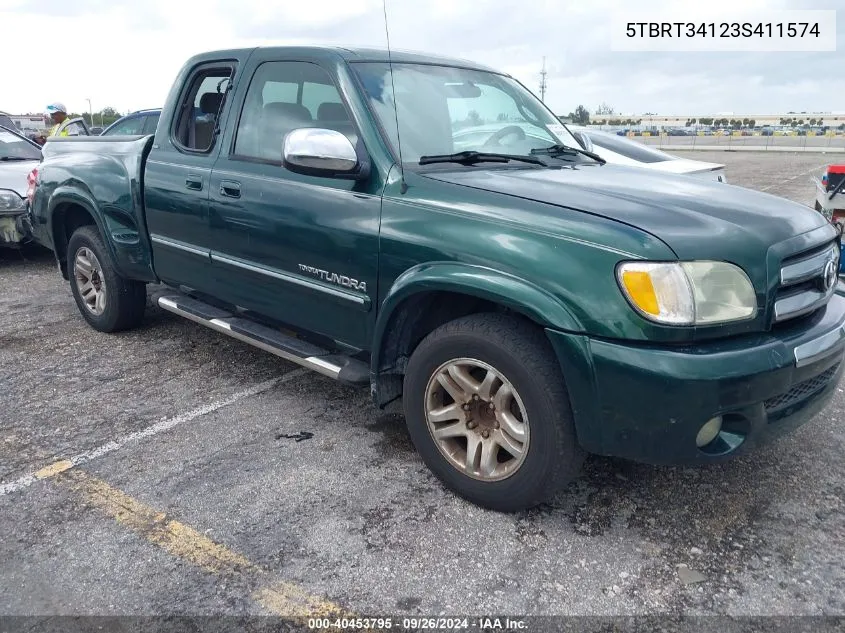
(585, 141)
(322, 152)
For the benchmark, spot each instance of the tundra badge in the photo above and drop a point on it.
(341, 280)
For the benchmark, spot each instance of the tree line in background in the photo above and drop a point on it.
(103, 118)
(732, 123)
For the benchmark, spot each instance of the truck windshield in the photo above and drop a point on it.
(13, 147)
(445, 109)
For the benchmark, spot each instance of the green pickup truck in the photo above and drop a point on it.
(525, 303)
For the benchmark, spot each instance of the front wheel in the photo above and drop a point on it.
(107, 301)
(489, 413)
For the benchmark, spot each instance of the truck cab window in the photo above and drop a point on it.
(200, 109)
(283, 96)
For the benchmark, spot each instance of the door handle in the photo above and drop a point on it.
(194, 183)
(230, 188)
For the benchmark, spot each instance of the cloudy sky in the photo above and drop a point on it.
(125, 54)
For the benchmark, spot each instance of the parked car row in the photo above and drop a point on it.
(746, 131)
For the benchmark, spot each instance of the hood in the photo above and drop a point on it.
(697, 219)
(13, 175)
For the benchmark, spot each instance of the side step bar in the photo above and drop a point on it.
(337, 366)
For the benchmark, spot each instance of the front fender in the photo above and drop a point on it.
(498, 287)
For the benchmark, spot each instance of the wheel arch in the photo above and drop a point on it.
(429, 295)
(68, 211)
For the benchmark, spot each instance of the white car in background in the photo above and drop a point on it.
(616, 150)
(18, 155)
(620, 150)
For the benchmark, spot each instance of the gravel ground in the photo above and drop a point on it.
(347, 511)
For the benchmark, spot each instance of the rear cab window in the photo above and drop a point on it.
(200, 106)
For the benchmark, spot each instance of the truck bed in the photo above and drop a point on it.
(103, 177)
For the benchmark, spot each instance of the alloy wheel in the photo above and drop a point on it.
(88, 274)
(477, 419)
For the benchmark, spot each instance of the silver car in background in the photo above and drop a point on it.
(18, 157)
(616, 150)
(620, 150)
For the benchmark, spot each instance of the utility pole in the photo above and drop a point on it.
(543, 81)
(90, 112)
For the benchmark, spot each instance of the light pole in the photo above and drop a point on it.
(90, 112)
(543, 82)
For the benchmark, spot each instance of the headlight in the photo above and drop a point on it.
(688, 293)
(11, 201)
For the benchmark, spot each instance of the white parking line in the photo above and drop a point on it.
(803, 173)
(162, 425)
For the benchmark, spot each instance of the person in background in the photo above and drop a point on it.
(56, 113)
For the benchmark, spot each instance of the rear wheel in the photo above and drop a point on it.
(488, 410)
(107, 301)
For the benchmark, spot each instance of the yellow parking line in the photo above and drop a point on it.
(280, 598)
(53, 469)
(289, 599)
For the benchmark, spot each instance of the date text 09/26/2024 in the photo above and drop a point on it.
(418, 624)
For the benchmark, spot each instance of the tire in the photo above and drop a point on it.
(90, 270)
(519, 355)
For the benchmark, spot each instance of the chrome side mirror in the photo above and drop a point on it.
(585, 140)
(321, 152)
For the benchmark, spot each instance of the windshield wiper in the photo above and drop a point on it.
(471, 158)
(10, 158)
(558, 149)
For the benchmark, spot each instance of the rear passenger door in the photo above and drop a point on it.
(299, 249)
(177, 179)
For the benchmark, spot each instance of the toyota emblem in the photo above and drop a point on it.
(830, 273)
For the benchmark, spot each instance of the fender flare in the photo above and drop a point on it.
(73, 195)
(493, 285)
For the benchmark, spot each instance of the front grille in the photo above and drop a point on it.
(805, 283)
(802, 390)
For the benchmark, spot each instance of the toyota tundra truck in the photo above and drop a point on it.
(524, 303)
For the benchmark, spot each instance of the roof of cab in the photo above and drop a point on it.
(349, 55)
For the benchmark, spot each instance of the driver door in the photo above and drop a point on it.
(300, 249)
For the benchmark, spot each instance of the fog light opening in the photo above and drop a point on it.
(709, 431)
(725, 432)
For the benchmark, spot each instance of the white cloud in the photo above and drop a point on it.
(126, 55)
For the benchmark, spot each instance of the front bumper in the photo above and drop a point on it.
(648, 402)
(14, 228)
